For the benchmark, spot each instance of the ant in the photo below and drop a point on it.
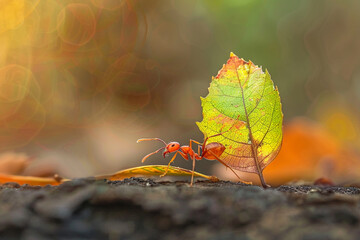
(210, 151)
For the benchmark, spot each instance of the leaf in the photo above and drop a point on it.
(244, 106)
(153, 170)
(32, 181)
(149, 170)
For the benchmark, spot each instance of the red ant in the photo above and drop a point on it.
(210, 151)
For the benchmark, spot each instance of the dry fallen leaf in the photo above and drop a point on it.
(149, 170)
(154, 170)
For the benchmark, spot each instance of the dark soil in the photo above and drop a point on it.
(139, 208)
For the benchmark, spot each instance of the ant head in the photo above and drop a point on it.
(171, 147)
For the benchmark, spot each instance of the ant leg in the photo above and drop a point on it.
(222, 162)
(193, 141)
(194, 157)
(173, 158)
(193, 171)
(167, 169)
(215, 135)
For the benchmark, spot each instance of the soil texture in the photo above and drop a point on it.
(139, 208)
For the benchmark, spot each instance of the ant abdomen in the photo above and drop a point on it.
(212, 149)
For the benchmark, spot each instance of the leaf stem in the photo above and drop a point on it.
(253, 144)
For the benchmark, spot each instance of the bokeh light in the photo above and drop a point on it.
(80, 81)
(76, 24)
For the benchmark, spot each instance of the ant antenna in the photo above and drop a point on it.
(150, 139)
(144, 158)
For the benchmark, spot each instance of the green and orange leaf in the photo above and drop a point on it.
(245, 107)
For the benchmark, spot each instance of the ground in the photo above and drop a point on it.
(139, 208)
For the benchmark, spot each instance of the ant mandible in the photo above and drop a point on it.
(210, 151)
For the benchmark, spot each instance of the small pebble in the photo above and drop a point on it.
(313, 190)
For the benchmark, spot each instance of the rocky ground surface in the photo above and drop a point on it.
(139, 208)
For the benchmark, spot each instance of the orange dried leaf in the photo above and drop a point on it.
(149, 170)
(32, 181)
(154, 170)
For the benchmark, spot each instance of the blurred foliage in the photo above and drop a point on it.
(309, 152)
(82, 80)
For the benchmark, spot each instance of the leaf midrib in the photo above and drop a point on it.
(253, 146)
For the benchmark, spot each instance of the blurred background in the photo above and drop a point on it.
(81, 81)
